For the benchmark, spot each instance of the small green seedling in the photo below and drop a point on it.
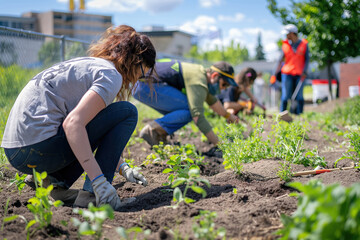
(40, 205)
(95, 217)
(204, 226)
(7, 218)
(192, 181)
(133, 231)
(19, 181)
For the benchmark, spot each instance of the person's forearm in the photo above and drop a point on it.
(79, 142)
(212, 137)
(218, 108)
(250, 95)
(232, 107)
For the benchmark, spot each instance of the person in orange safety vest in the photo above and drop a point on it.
(295, 55)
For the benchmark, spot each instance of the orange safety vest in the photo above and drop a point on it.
(294, 61)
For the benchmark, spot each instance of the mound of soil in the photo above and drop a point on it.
(251, 212)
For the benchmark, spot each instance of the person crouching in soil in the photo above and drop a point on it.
(181, 89)
(230, 97)
(66, 112)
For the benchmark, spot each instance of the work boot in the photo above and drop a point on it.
(67, 196)
(153, 134)
(84, 198)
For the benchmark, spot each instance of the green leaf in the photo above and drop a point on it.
(199, 190)
(177, 196)
(189, 200)
(10, 218)
(178, 182)
(30, 223)
(167, 170)
(58, 203)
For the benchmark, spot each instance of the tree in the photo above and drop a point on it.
(7, 53)
(260, 55)
(331, 27)
(50, 53)
(234, 54)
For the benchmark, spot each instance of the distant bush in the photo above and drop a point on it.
(13, 79)
(349, 114)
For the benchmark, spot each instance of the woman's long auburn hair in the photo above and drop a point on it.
(127, 49)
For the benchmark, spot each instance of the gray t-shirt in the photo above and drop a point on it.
(51, 95)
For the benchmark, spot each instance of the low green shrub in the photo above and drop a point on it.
(324, 212)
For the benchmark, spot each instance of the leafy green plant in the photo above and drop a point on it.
(192, 181)
(237, 150)
(353, 152)
(324, 212)
(133, 231)
(7, 218)
(94, 219)
(204, 226)
(19, 181)
(40, 205)
(284, 172)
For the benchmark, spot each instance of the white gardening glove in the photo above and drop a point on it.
(132, 175)
(105, 193)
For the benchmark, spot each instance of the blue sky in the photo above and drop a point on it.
(239, 20)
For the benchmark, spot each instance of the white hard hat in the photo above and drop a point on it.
(290, 28)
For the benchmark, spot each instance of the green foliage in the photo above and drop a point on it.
(353, 152)
(7, 49)
(234, 54)
(331, 26)
(324, 212)
(237, 150)
(260, 55)
(204, 226)
(94, 219)
(349, 114)
(285, 141)
(19, 181)
(49, 53)
(75, 49)
(133, 231)
(12, 80)
(40, 205)
(284, 172)
(184, 154)
(191, 181)
(7, 218)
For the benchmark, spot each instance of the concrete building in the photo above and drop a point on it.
(169, 43)
(26, 23)
(82, 26)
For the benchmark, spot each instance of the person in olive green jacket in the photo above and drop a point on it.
(179, 92)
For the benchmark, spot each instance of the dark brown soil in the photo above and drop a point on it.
(252, 213)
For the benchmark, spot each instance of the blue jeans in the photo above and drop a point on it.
(288, 85)
(108, 132)
(166, 100)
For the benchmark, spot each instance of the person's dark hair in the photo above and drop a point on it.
(246, 77)
(127, 49)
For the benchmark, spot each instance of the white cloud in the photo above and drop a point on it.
(153, 6)
(237, 18)
(156, 6)
(115, 5)
(209, 3)
(201, 24)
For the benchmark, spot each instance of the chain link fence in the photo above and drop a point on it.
(36, 50)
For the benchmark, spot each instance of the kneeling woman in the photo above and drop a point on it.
(66, 112)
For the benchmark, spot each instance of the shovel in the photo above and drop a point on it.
(294, 103)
